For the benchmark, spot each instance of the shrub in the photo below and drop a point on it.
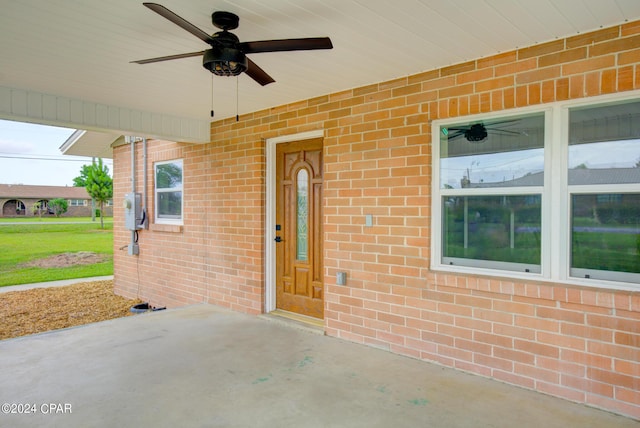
(59, 206)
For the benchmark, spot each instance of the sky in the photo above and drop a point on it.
(30, 154)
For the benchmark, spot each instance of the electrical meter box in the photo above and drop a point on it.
(133, 211)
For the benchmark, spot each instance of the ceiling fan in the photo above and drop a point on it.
(478, 132)
(227, 55)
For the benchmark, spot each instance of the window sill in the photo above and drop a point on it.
(170, 228)
(536, 278)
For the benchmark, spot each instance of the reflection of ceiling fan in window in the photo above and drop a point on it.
(478, 132)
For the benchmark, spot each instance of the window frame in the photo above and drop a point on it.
(166, 220)
(555, 260)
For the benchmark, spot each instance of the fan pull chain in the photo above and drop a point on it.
(212, 95)
(237, 98)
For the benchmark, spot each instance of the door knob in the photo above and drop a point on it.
(278, 239)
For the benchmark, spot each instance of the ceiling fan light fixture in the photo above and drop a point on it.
(224, 61)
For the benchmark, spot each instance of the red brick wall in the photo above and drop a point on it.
(216, 256)
(573, 342)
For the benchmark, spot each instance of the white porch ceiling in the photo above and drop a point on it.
(80, 50)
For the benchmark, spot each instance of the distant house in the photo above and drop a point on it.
(576, 177)
(18, 200)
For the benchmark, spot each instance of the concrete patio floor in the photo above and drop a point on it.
(202, 366)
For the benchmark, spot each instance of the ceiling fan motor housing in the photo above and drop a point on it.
(477, 132)
(223, 61)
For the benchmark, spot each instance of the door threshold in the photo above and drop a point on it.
(305, 322)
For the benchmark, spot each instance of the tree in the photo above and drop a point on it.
(59, 206)
(99, 185)
(81, 180)
(36, 209)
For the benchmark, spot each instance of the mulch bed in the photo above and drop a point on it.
(43, 309)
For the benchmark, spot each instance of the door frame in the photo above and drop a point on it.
(270, 220)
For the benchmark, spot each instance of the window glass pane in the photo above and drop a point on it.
(169, 204)
(492, 228)
(169, 175)
(168, 187)
(604, 144)
(302, 209)
(606, 232)
(495, 153)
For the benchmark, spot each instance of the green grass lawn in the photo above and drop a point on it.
(50, 219)
(27, 242)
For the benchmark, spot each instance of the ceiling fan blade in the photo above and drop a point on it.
(504, 131)
(455, 135)
(168, 58)
(501, 122)
(286, 45)
(258, 74)
(181, 22)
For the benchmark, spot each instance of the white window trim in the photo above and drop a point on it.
(164, 220)
(555, 232)
(77, 202)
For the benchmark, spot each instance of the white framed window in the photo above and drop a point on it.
(168, 192)
(604, 191)
(551, 192)
(78, 202)
(491, 176)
